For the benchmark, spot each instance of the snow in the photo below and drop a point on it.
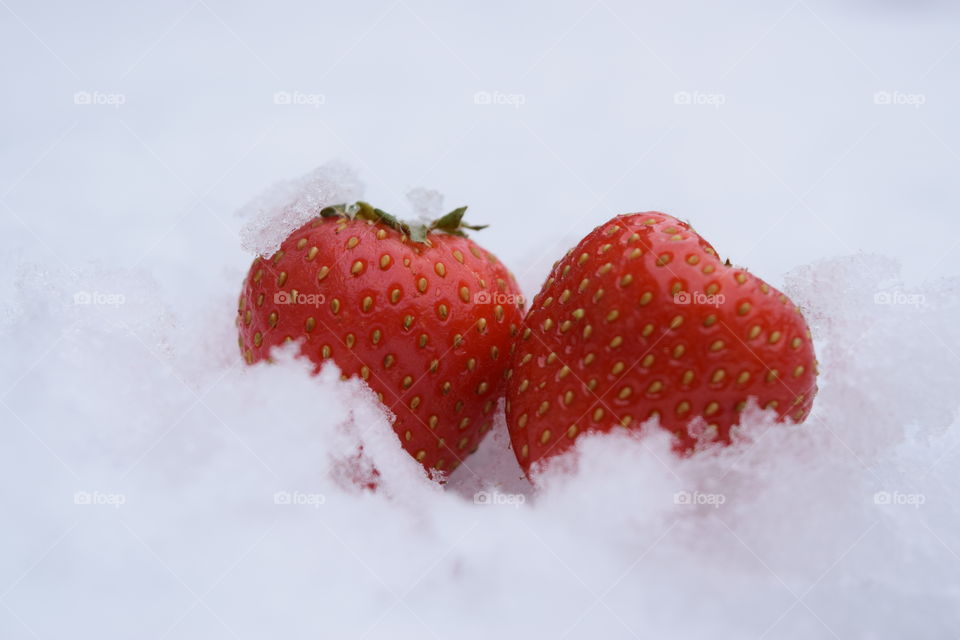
(163, 486)
(426, 204)
(290, 203)
(154, 486)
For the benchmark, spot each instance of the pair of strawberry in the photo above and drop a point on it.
(640, 320)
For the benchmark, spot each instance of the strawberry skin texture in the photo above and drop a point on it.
(402, 315)
(642, 319)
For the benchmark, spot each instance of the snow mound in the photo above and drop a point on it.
(155, 486)
(290, 203)
(427, 204)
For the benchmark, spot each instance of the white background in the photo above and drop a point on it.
(797, 163)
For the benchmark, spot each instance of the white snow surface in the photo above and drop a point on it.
(153, 486)
(156, 485)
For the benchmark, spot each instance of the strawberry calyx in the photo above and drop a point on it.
(451, 223)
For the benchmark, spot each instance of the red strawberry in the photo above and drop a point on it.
(642, 319)
(422, 313)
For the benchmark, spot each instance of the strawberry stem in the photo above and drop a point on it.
(451, 223)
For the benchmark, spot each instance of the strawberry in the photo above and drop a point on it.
(642, 320)
(420, 312)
